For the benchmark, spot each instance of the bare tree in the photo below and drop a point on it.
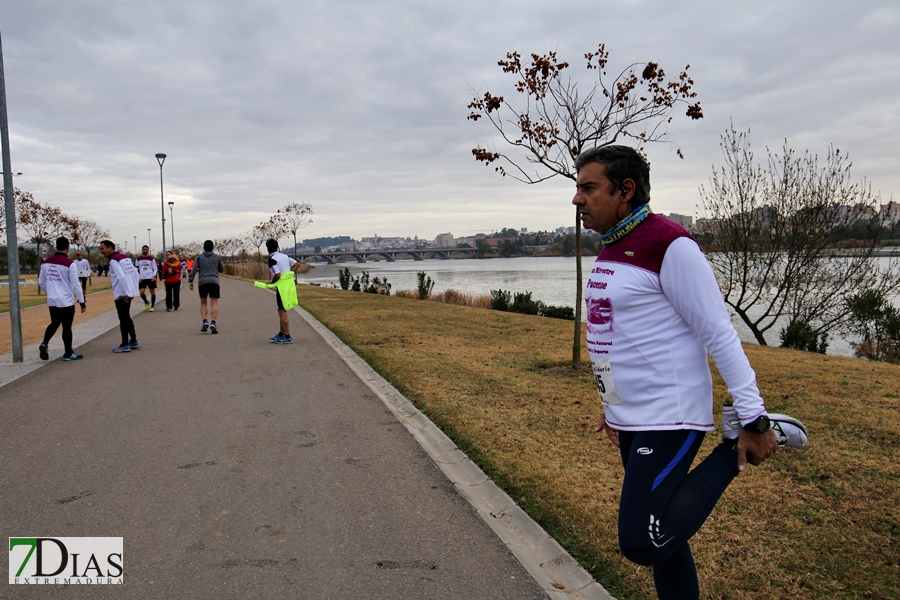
(553, 120)
(20, 199)
(90, 234)
(276, 227)
(257, 236)
(296, 216)
(793, 240)
(40, 222)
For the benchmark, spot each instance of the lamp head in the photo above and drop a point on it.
(171, 203)
(161, 158)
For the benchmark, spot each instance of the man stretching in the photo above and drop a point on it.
(654, 309)
(146, 266)
(124, 279)
(59, 279)
(209, 265)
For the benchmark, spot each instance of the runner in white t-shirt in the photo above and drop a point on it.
(281, 266)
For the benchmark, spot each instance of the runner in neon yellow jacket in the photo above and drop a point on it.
(285, 290)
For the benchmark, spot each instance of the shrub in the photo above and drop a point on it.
(878, 323)
(558, 312)
(425, 285)
(378, 286)
(522, 303)
(500, 299)
(345, 278)
(800, 335)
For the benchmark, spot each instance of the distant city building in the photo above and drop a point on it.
(707, 226)
(890, 213)
(445, 240)
(683, 220)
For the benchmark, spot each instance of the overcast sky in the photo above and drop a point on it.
(359, 107)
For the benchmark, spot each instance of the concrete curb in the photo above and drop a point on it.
(554, 569)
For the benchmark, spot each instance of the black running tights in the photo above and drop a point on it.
(126, 325)
(663, 505)
(61, 315)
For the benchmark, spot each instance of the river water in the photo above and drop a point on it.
(550, 279)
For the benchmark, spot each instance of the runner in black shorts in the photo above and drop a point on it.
(209, 290)
(209, 265)
(147, 271)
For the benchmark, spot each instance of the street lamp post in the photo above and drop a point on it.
(12, 246)
(161, 158)
(135, 244)
(172, 219)
(149, 241)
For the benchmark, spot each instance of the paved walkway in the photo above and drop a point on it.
(237, 468)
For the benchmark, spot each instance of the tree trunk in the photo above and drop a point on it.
(576, 344)
(760, 338)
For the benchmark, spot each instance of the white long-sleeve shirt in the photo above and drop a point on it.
(59, 280)
(123, 276)
(146, 266)
(83, 266)
(654, 309)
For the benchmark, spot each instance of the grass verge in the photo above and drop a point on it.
(815, 523)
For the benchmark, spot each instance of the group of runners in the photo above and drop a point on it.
(64, 283)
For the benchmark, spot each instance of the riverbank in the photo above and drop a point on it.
(818, 522)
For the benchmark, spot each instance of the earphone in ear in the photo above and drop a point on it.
(624, 191)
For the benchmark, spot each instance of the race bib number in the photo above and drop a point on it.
(605, 383)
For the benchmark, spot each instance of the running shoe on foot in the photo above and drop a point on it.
(277, 338)
(731, 424)
(72, 356)
(286, 340)
(134, 345)
(213, 328)
(122, 348)
(205, 327)
(151, 309)
(789, 431)
(146, 306)
(43, 350)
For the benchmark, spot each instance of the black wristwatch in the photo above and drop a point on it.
(760, 425)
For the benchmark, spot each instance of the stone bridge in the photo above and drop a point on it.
(389, 255)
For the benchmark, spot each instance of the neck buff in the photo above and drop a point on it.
(625, 226)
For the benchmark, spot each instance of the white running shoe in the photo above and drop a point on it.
(789, 431)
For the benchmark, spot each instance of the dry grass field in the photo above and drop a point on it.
(821, 522)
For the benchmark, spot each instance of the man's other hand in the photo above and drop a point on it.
(612, 434)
